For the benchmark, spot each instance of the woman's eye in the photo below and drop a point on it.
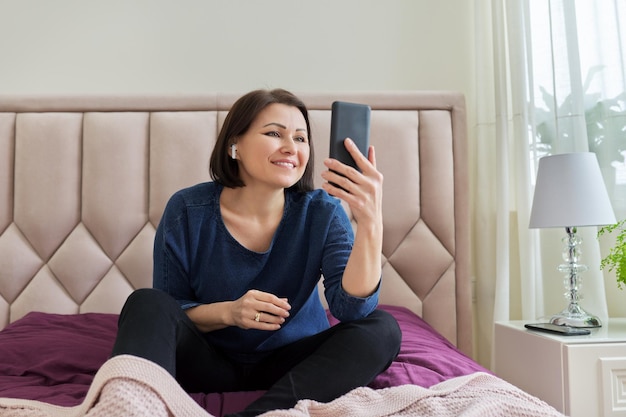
(300, 139)
(273, 133)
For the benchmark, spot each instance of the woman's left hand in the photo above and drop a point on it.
(362, 191)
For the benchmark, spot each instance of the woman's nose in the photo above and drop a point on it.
(289, 146)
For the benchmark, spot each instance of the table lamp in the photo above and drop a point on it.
(570, 193)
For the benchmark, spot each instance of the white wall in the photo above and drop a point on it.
(195, 46)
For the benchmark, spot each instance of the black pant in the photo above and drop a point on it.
(320, 367)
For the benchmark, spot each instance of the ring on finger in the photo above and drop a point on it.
(257, 317)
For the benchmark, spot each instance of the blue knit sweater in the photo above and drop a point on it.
(197, 261)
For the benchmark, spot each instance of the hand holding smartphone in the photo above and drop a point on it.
(349, 120)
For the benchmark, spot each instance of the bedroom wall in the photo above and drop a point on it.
(188, 46)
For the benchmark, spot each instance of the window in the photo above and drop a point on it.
(578, 85)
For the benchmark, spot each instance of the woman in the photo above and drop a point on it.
(235, 304)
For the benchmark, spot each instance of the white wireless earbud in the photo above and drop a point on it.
(233, 151)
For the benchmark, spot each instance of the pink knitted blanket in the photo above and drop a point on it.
(131, 387)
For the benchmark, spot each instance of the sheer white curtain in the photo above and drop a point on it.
(550, 79)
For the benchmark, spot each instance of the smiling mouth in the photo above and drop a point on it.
(285, 164)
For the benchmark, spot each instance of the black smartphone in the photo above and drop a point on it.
(349, 120)
(558, 329)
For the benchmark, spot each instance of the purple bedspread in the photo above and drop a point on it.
(53, 358)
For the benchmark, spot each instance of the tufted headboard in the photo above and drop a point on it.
(84, 180)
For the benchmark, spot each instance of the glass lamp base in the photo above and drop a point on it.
(575, 316)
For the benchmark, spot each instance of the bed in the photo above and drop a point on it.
(83, 183)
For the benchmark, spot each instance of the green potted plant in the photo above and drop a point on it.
(616, 259)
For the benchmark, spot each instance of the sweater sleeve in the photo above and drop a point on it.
(170, 258)
(338, 246)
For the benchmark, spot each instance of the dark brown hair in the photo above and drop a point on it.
(223, 168)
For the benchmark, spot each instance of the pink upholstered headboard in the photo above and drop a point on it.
(83, 182)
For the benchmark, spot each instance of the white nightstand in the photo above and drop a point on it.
(578, 375)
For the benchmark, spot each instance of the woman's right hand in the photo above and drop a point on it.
(259, 310)
(272, 312)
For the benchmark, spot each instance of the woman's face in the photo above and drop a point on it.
(275, 150)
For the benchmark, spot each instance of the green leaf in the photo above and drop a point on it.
(616, 259)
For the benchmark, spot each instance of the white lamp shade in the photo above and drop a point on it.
(570, 192)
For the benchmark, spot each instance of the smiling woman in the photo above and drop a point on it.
(274, 150)
(225, 160)
(237, 261)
